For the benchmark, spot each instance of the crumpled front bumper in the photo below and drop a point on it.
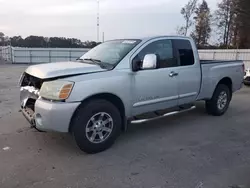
(50, 116)
(46, 115)
(29, 115)
(54, 116)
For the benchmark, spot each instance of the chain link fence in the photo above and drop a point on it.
(243, 55)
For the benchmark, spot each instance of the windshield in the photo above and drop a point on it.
(110, 52)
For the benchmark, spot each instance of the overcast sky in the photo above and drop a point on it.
(77, 18)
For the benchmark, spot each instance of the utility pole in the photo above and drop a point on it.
(98, 20)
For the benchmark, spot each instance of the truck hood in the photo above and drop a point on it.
(52, 70)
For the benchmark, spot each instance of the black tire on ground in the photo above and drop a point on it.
(81, 119)
(212, 104)
(246, 84)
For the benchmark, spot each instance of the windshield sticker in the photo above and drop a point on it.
(128, 42)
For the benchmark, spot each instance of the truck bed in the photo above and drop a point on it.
(219, 61)
(212, 71)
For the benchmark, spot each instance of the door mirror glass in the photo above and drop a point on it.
(149, 62)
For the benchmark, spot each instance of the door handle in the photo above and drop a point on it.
(172, 74)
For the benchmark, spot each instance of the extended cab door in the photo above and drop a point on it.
(189, 78)
(155, 89)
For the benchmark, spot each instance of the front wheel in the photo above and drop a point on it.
(96, 126)
(220, 101)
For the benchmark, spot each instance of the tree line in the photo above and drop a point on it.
(229, 23)
(45, 42)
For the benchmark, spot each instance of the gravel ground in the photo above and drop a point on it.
(189, 150)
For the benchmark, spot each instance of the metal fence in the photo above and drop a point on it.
(40, 55)
(243, 55)
(6, 53)
(46, 55)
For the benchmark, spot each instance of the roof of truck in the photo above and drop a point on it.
(160, 36)
(145, 39)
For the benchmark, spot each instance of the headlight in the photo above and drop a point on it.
(56, 90)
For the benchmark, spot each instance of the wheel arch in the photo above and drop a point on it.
(112, 98)
(228, 82)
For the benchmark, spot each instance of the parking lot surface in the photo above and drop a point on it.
(189, 150)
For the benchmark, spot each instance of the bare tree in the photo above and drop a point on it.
(1, 38)
(187, 11)
(202, 31)
(180, 30)
(225, 17)
(243, 17)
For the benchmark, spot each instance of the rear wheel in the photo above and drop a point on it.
(247, 84)
(96, 126)
(220, 101)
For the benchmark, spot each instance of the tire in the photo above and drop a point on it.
(246, 84)
(212, 105)
(83, 127)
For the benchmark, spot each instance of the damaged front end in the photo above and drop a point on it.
(29, 93)
(28, 97)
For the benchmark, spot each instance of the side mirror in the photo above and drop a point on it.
(149, 62)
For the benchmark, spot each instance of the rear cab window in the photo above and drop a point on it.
(184, 52)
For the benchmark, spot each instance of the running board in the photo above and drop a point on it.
(164, 115)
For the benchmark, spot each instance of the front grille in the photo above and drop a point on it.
(247, 78)
(29, 91)
(31, 104)
(29, 80)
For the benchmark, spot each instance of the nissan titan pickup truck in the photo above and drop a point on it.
(124, 80)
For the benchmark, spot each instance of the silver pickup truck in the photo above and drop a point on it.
(120, 81)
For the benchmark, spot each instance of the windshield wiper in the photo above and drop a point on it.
(97, 62)
(93, 60)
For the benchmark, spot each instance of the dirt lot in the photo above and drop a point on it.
(190, 150)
